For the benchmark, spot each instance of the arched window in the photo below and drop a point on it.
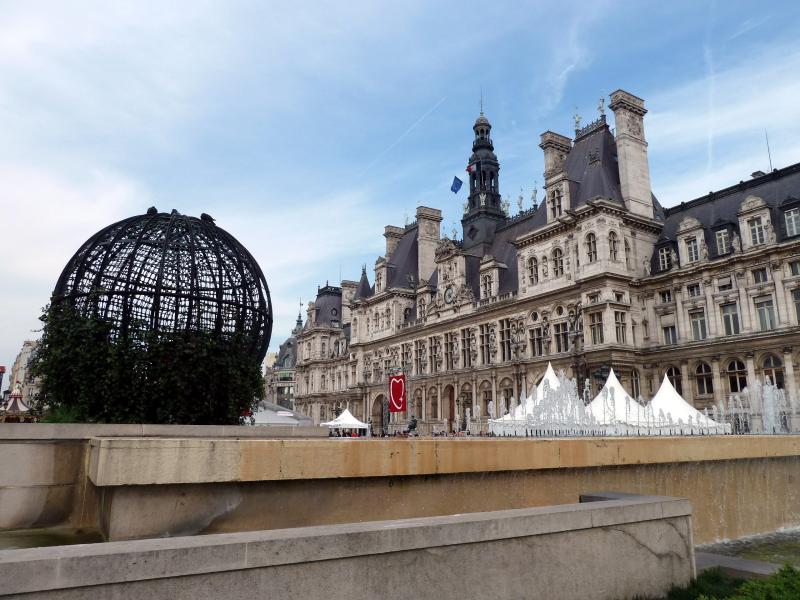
(674, 376)
(533, 269)
(487, 286)
(558, 262)
(636, 387)
(737, 376)
(591, 247)
(705, 381)
(627, 255)
(613, 244)
(772, 367)
(555, 204)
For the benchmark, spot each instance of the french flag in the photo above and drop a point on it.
(472, 168)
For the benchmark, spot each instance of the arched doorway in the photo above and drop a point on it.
(377, 415)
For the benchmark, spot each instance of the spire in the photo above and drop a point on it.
(364, 289)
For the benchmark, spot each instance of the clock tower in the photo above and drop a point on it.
(484, 211)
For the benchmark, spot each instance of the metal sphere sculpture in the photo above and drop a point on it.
(169, 272)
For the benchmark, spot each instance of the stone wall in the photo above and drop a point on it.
(607, 549)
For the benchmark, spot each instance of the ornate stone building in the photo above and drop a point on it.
(599, 275)
(279, 377)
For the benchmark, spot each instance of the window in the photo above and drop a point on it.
(737, 376)
(792, 218)
(613, 246)
(594, 298)
(665, 296)
(419, 359)
(705, 381)
(466, 347)
(723, 241)
(562, 337)
(766, 313)
(794, 267)
(796, 299)
(725, 283)
(670, 335)
(596, 327)
(636, 386)
(486, 286)
(664, 259)
(505, 339)
(533, 269)
(760, 275)
(450, 342)
(674, 376)
(692, 253)
(756, 231)
(693, 289)
(591, 247)
(555, 204)
(619, 296)
(433, 345)
(484, 344)
(406, 351)
(558, 262)
(730, 318)
(620, 326)
(772, 367)
(537, 345)
(698, 320)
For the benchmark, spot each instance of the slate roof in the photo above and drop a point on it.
(364, 289)
(778, 189)
(328, 306)
(403, 261)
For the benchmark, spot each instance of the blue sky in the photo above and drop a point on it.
(305, 127)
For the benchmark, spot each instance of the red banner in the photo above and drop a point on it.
(397, 393)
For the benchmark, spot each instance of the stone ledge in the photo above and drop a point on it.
(148, 461)
(41, 569)
(56, 432)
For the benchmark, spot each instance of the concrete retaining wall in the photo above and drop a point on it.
(615, 549)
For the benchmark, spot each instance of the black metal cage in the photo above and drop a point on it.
(170, 272)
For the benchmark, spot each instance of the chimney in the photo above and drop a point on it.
(634, 170)
(556, 148)
(392, 235)
(428, 236)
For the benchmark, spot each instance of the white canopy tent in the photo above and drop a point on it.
(668, 405)
(346, 420)
(614, 405)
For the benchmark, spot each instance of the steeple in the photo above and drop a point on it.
(484, 209)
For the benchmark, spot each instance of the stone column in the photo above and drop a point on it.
(719, 392)
(744, 309)
(781, 310)
(424, 402)
(494, 395)
(686, 382)
(751, 369)
(712, 311)
(681, 322)
(439, 402)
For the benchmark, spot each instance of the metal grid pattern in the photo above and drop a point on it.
(170, 272)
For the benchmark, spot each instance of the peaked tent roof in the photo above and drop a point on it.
(667, 399)
(346, 420)
(624, 408)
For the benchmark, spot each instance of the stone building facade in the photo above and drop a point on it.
(279, 375)
(598, 275)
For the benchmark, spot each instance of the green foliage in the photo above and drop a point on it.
(92, 373)
(709, 583)
(783, 585)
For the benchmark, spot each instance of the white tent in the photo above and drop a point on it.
(669, 404)
(345, 421)
(615, 405)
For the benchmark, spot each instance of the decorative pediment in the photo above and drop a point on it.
(751, 203)
(687, 224)
(446, 248)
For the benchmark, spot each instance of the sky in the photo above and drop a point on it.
(304, 128)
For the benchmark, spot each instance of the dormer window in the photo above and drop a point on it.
(692, 253)
(792, 220)
(723, 238)
(555, 204)
(533, 269)
(756, 227)
(486, 286)
(664, 258)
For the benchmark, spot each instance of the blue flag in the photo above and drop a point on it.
(457, 183)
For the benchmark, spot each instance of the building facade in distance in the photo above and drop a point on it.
(279, 376)
(21, 373)
(598, 275)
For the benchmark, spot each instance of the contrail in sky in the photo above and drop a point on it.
(404, 134)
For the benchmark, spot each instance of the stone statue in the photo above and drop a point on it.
(520, 200)
(601, 107)
(703, 250)
(736, 243)
(491, 409)
(646, 265)
(673, 256)
(466, 207)
(535, 191)
(771, 238)
(577, 119)
(506, 204)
